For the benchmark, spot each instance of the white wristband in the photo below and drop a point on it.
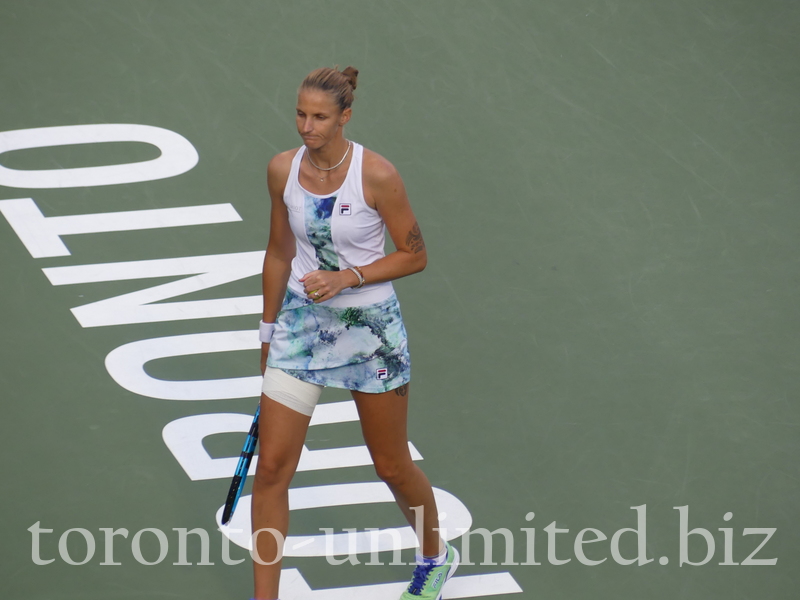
(265, 331)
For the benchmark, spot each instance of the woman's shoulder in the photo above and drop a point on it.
(280, 165)
(282, 161)
(377, 170)
(279, 168)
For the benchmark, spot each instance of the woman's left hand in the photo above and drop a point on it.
(324, 285)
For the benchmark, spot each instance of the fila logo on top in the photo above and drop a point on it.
(382, 373)
(344, 209)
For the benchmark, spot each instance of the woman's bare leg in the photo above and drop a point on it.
(282, 432)
(383, 423)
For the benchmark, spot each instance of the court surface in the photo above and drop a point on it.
(605, 338)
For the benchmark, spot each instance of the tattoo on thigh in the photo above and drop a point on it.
(414, 239)
(402, 390)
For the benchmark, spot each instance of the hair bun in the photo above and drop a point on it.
(352, 75)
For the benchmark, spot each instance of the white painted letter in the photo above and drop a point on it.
(163, 546)
(349, 494)
(552, 531)
(183, 535)
(184, 438)
(177, 155)
(767, 532)
(684, 533)
(294, 587)
(137, 307)
(35, 531)
(126, 366)
(42, 235)
(579, 542)
(110, 533)
(641, 537)
(90, 546)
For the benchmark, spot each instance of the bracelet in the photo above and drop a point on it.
(265, 331)
(360, 276)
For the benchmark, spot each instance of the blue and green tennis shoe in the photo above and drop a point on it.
(429, 578)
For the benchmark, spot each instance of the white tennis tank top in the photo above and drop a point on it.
(335, 231)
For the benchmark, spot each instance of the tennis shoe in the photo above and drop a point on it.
(428, 580)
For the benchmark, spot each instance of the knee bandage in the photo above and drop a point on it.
(298, 395)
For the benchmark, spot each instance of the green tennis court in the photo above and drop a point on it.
(605, 341)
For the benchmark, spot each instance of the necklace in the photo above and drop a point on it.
(336, 166)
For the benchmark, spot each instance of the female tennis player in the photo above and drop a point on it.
(331, 319)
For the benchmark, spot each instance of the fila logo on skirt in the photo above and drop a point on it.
(382, 373)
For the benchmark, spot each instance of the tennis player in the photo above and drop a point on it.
(331, 319)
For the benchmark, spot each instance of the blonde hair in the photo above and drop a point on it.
(340, 84)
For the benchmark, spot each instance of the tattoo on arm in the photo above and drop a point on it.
(414, 239)
(402, 390)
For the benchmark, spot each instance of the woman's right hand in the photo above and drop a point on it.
(264, 354)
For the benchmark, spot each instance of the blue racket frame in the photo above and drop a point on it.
(240, 476)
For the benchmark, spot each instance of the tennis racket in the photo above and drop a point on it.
(239, 477)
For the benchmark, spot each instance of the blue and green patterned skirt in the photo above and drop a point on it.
(361, 348)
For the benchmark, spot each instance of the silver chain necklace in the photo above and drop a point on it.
(336, 166)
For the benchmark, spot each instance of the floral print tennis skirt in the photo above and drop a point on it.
(363, 348)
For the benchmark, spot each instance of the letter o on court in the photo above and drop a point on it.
(64, 551)
(163, 546)
(177, 155)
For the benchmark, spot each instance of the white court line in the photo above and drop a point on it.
(295, 587)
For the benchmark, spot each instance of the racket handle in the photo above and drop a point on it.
(233, 497)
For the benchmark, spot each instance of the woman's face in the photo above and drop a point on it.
(319, 118)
